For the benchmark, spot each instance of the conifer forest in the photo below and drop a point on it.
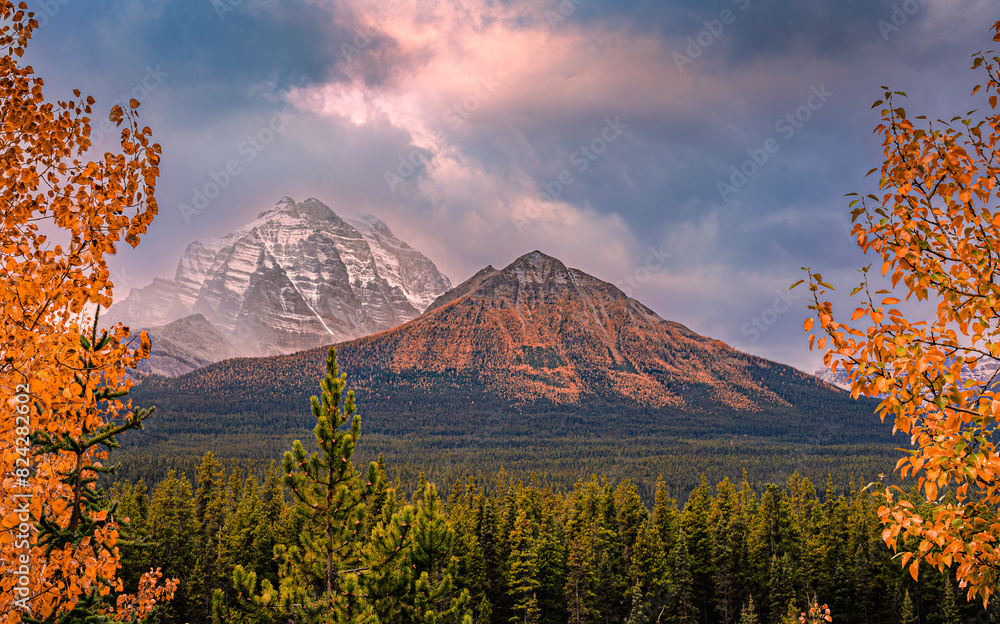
(318, 535)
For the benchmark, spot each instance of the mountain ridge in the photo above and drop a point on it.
(544, 348)
(296, 277)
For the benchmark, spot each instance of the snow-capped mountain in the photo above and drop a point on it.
(984, 372)
(534, 348)
(299, 276)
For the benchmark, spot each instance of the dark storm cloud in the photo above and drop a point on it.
(366, 82)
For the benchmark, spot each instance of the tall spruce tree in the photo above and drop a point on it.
(749, 613)
(210, 503)
(133, 514)
(949, 606)
(906, 613)
(318, 577)
(436, 599)
(173, 534)
(523, 572)
(649, 573)
(698, 537)
(685, 611)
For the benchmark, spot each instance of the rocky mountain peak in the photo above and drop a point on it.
(298, 276)
(537, 330)
(286, 205)
(537, 268)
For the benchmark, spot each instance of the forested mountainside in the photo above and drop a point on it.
(533, 352)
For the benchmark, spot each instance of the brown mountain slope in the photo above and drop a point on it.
(539, 330)
(533, 349)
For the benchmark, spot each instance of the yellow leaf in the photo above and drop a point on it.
(914, 569)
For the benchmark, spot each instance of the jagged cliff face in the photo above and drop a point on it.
(297, 277)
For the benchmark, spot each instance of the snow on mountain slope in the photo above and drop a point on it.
(297, 277)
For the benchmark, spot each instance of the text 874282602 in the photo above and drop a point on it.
(21, 498)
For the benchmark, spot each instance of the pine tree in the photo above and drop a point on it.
(684, 609)
(648, 574)
(906, 613)
(272, 494)
(464, 519)
(379, 497)
(133, 506)
(486, 520)
(210, 504)
(749, 613)
(173, 533)
(781, 585)
(522, 575)
(608, 557)
(631, 515)
(949, 606)
(792, 614)
(666, 517)
(329, 495)
(729, 536)
(318, 577)
(434, 564)
(581, 599)
(639, 614)
(247, 539)
(551, 548)
(387, 562)
(697, 534)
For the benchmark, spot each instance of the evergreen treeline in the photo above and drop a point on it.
(525, 553)
(557, 462)
(318, 541)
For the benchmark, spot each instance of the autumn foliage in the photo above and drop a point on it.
(936, 227)
(62, 383)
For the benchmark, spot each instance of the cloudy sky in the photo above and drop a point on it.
(610, 134)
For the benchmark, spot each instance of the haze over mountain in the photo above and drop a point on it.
(185, 345)
(297, 277)
(540, 346)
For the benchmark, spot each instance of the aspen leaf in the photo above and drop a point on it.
(43, 289)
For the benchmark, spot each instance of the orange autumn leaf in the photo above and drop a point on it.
(54, 188)
(935, 225)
